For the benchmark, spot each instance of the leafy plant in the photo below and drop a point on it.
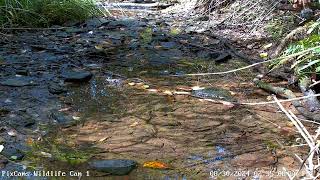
(306, 63)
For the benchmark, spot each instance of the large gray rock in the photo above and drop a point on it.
(213, 93)
(62, 119)
(76, 76)
(118, 167)
(18, 82)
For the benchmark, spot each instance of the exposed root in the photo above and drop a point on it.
(287, 93)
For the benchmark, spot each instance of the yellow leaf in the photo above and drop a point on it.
(153, 90)
(145, 86)
(156, 165)
(263, 55)
(267, 46)
(167, 92)
(134, 124)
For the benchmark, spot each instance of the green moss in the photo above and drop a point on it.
(146, 35)
(271, 145)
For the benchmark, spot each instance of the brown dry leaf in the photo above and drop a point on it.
(167, 92)
(152, 90)
(181, 93)
(29, 141)
(145, 86)
(65, 109)
(134, 124)
(156, 165)
(103, 139)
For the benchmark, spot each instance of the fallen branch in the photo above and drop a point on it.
(312, 102)
(308, 162)
(315, 116)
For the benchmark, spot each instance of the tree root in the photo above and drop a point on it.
(287, 93)
(312, 102)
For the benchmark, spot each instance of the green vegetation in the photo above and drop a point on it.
(43, 13)
(277, 27)
(307, 63)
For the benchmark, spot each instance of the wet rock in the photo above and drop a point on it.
(18, 82)
(11, 152)
(118, 167)
(3, 162)
(3, 111)
(55, 88)
(168, 45)
(21, 120)
(12, 167)
(77, 76)
(213, 93)
(62, 119)
(2, 140)
(220, 57)
(96, 22)
(23, 72)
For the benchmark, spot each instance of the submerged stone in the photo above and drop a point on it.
(213, 93)
(118, 167)
(55, 88)
(12, 152)
(77, 76)
(62, 119)
(18, 82)
(168, 45)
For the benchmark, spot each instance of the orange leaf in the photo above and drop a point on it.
(156, 165)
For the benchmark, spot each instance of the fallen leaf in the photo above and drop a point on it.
(267, 46)
(232, 93)
(145, 86)
(131, 83)
(195, 88)
(184, 88)
(156, 165)
(263, 55)
(134, 124)
(12, 133)
(153, 90)
(103, 139)
(181, 93)
(45, 154)
(14, 157)
(29, 141)
(167, 92)
(65, 109)
(1, 148)
(76, 118)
